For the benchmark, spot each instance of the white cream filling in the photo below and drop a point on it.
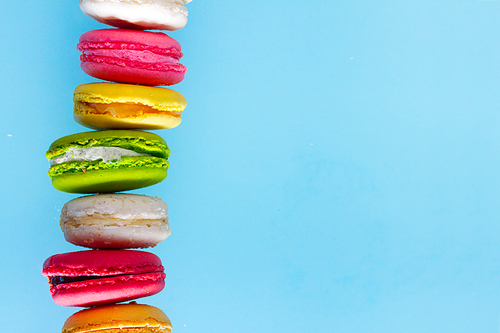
(106, 154)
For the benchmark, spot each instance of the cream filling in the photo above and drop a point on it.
(106, 154)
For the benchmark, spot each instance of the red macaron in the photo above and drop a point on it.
(131, 56)
(95, 277)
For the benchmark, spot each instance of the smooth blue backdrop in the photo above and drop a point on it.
(336, 170)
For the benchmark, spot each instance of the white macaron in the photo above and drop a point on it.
(116, 220)
(138, 14)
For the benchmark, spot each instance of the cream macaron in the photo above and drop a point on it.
(138, 14)
(115, 221)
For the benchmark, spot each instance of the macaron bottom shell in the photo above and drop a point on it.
(116, 234)
(147, 121)
(108, 290)
(107, 181)
(133, 73)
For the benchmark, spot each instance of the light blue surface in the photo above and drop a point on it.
(336, 170)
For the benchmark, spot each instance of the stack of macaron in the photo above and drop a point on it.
(118, 155)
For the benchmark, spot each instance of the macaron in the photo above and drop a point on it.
(131, 56)
(97, 277)
(115, 220)
(138, 14)
(127, 106)
(107, 161)
(130, 318)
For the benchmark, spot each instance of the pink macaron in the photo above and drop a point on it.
(95, 277)
(131, 56)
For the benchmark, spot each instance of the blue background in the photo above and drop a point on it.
(336, 170)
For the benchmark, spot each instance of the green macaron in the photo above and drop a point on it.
(107, 161)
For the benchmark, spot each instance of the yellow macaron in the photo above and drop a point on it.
(127, 106)
(130, 317)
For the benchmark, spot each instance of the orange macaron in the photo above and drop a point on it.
(116, 318)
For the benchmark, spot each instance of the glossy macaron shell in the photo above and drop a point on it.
(130, 317)
(89, 278)
(126, 106)
(107, 161)
(138, 14)
(131, 56)
(116, 220)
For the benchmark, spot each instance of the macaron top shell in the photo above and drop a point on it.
(139, 141)
(107, 318)
(101, 263)
(156, 42)
(161, 99)
(116, 205)
(138, 14)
